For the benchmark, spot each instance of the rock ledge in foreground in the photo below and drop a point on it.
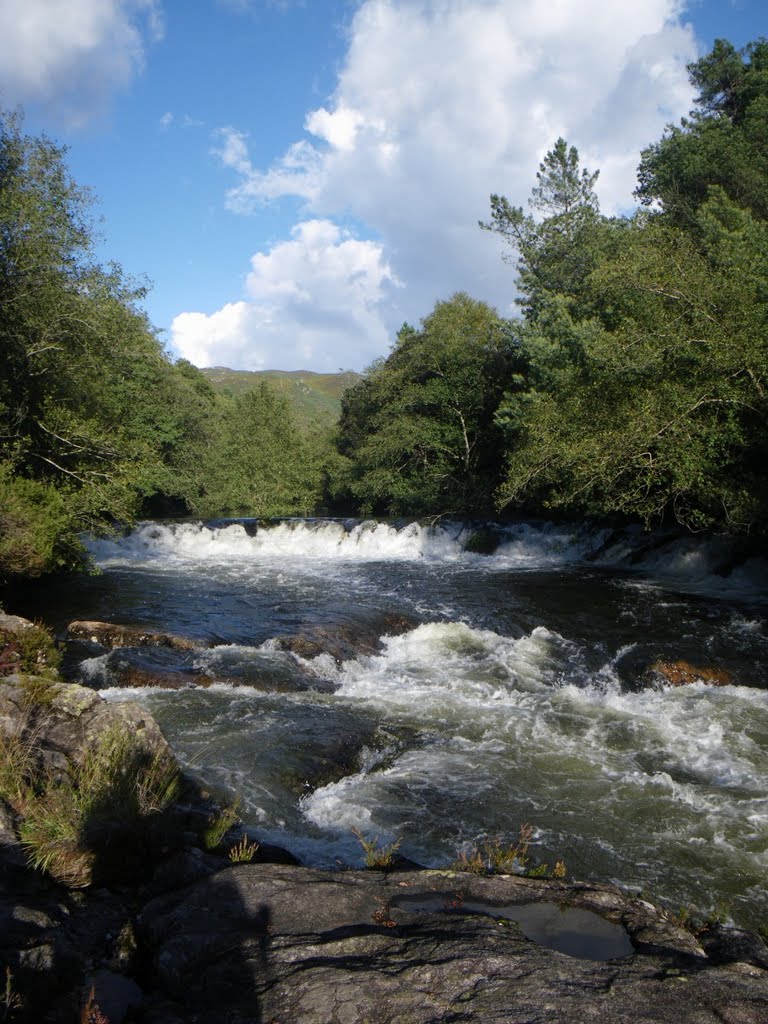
(289, 944)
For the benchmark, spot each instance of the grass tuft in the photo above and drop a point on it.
(243, 852)
(377, 856)
(31, 649)
(219, 825)
(65, 820)
(492, 856)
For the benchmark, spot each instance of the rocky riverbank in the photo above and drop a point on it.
(122, 900)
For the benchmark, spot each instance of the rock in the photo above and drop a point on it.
(111, 634)
(142, 667)
(69, 720)
(682, 673)
(114, 995)
(284, 944)
(346, 640)
(14, 623)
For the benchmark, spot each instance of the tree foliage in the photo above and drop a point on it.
(419, 428)
(646, 369)
(96, 423)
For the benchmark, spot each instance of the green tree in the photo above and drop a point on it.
(553, 253)
(419, 429)
(723, 143)
(663, 416)
(257, 463)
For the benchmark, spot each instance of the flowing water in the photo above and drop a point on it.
(517, 692)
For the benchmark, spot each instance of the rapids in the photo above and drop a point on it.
(519, 693)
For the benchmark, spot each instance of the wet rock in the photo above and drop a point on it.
(138, 668)
(258, 942)
(483, 541)
(115, 996)
(347, 640)
(682, 673)
(111, 634)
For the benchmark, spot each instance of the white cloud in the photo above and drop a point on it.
(441, 102)
(312, 301)
(71, 54)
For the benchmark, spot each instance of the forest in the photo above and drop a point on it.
(631, 384)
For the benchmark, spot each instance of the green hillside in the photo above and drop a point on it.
(314, 397)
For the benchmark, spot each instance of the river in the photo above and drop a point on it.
(518, 691)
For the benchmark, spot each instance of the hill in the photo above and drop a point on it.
(314, 397)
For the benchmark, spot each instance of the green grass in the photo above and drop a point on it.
(219, 825)
(119, 787)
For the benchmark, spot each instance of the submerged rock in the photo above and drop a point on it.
(295, 944)
(346, 640)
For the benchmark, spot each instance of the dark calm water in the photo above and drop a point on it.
(518, 694)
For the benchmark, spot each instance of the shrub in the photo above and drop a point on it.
(30, 650)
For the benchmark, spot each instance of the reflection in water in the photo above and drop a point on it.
(572, 930)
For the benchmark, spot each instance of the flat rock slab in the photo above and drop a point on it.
(257, 943)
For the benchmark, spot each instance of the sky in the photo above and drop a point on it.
(298, 178)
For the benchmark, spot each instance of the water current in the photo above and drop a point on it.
(514, 688)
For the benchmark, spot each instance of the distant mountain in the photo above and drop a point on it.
(315, 397)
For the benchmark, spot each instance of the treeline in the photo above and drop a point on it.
(97, 425)
(633, 383)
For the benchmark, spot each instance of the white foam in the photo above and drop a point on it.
(292, 539)
(699, 564)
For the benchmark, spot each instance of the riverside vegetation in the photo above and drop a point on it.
(632, 383)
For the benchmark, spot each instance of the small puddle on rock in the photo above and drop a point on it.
(572, 930)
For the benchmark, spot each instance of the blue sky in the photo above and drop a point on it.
(298, 177)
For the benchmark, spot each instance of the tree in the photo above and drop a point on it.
(723, 143)
(256, 462)
(554, 253)
(419, 427)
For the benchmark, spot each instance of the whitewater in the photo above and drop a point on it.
(517, 687)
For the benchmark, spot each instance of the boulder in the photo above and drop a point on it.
(112, 634)
(65, 721)
(682, 673)
(345, 640)
(284, 944)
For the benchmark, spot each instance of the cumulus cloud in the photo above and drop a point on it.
(71, 54)
(441, 102)
(311, 302)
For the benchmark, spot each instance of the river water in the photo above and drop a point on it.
(518, 691)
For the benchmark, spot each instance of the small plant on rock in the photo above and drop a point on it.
(10, 1000)
(30, 649)
(219, 825)
(243, 852)
(492, 856)
(377, 856)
